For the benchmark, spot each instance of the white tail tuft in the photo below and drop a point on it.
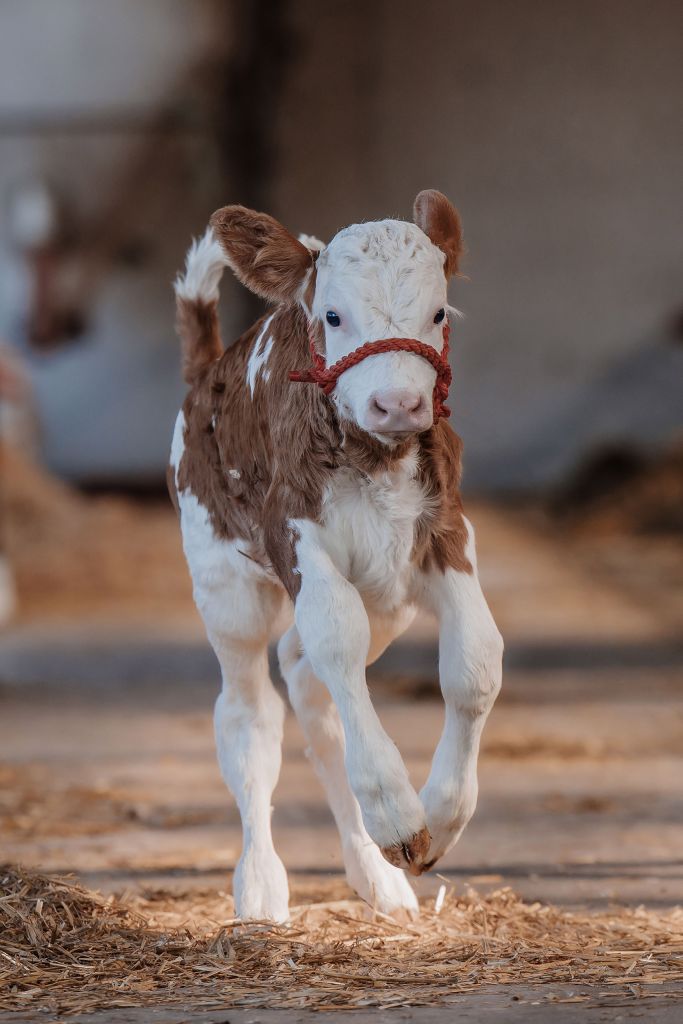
(204, 267)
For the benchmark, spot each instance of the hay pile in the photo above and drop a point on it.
(74, 555)
(69, 950)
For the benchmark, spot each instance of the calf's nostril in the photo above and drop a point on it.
(378, 407)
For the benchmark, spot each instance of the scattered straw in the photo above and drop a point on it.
(68, 950)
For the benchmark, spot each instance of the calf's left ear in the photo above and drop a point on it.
(440, 221)
(263, 254)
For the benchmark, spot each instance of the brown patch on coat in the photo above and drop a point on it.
(316, 334)
(309, 290)
(440, 221)
(215, 409)
(200, 339)
(441, 538)
(366, 454)
(257, 462)
(264, 255)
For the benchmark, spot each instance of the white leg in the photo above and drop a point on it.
(240, 607)
(470, 669)
(379, 883)
(248, 721)
(335, 633)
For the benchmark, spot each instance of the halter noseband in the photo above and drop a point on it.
(326, 377)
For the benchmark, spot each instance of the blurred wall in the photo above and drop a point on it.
(554, 127)
(98, 100)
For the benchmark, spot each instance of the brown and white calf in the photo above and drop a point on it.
(327, 520)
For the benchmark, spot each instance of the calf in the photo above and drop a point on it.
(317, 483)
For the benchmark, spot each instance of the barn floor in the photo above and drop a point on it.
(107, 766)
(513, 1005)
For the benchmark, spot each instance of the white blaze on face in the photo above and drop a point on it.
(384, 280)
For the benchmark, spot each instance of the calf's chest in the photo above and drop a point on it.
(368, 528)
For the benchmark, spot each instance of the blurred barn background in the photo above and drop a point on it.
(556, 130)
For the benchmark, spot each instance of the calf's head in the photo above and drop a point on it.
(373, 281)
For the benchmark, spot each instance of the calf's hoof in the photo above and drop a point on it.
(260, 887)
(383, 886)
(411, 854)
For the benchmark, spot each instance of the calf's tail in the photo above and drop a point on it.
(196, 292)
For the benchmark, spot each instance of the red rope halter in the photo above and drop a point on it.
(326, 377)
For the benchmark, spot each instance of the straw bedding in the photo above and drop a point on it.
(66, 949)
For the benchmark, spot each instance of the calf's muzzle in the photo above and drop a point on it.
(397, 411)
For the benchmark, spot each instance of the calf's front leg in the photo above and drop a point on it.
(335, 633)
(470, 671)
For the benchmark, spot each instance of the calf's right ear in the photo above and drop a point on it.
(263, 254)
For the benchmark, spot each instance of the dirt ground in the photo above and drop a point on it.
(108, 770)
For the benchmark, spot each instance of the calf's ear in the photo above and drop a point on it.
(263, 254)
(440, 221)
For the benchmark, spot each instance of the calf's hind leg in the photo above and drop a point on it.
(248, 721)
(239, 608)
(239, 611)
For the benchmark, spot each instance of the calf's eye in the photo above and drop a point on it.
(333, 318)
(439, 316)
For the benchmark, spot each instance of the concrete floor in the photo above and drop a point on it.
(513, 1005)
(108, 766)
(579, 788)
